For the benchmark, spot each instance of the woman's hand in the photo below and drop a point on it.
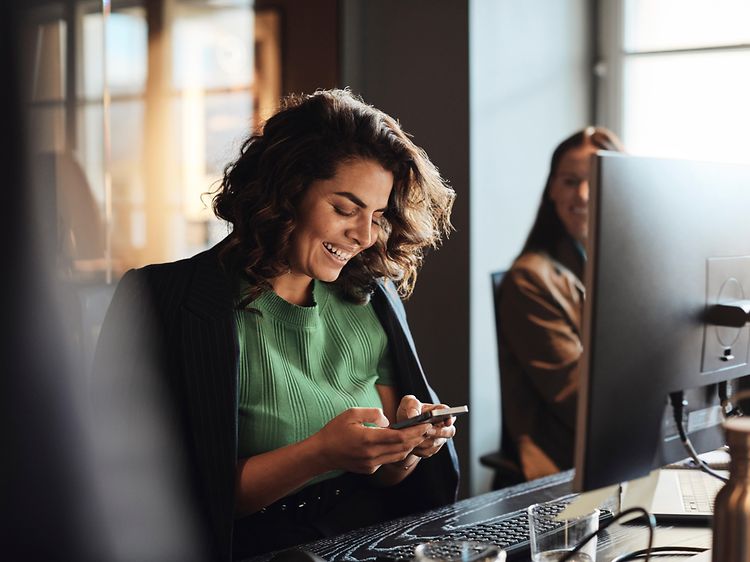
(433, 436)
(345, 443)
(436, 435)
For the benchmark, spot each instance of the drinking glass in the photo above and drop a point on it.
(552, 539)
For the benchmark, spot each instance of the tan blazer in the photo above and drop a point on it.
(541, 306)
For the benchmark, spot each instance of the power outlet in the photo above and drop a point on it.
(727, 279)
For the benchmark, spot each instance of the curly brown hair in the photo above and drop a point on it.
(303, 142)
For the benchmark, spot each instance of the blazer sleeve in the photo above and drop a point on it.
(141, 464)
(435, 480)
(542, 338)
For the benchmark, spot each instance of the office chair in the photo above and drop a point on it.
(505, 462)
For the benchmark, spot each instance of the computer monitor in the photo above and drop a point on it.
(667, 240)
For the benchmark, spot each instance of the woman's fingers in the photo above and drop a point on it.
(447, 431)
(408, 407)
(358, 440)
(364, 415)
(435, 441)
(373, 456)
(431, 445)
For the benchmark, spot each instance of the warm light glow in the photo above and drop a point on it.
(652, 25)
(693, 106)
(686, 79)
(194, 179)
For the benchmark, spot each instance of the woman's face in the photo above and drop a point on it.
(339, 218)
(569, 190)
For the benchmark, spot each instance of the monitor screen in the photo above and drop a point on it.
(667, 240)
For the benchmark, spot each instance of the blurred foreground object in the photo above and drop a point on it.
(732, 505)
(57, 501)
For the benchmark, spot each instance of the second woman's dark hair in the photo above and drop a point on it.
(548, 229)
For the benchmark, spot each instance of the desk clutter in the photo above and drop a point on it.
(498, 518)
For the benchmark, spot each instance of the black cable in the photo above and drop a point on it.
(651, 527)
(661, 551)
(678, 405)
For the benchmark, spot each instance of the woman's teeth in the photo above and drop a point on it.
(337, 253)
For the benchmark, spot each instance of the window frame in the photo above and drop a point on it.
(612, 58)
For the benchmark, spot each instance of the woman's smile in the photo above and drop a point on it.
(338, 253)
(339, 218)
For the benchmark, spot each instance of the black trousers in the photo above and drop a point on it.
(321, 510)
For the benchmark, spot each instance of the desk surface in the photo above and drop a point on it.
(383, 539)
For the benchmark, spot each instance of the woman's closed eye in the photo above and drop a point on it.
(377, 220)
(344, 212)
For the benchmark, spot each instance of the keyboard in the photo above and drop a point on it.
(684, 495)
(696, 495)
(510, 532)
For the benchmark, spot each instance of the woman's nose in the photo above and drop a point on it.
(583, 191)
(361, 233)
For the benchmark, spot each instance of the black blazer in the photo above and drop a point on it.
(173, 323)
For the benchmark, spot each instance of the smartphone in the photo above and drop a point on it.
(433, 416)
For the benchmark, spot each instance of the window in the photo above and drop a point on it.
(136, 108)
(677, 81)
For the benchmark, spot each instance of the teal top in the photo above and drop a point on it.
(300, 366)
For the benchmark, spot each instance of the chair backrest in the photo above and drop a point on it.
(497, 279)
(508, 450)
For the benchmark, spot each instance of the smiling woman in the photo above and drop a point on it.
(540, 307)
(306, 142)
(338, 218)
(284, 350)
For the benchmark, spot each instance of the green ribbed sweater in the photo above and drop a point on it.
(302, 366)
